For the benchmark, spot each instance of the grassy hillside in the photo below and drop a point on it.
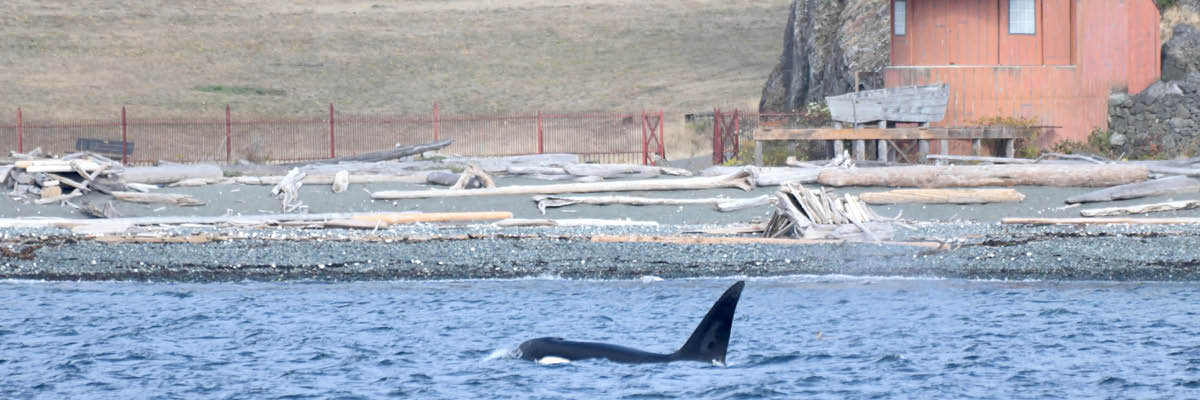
(290, 57)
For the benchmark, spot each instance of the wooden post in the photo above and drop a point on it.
(228, 137)
(860, 149)
(976, 146)
(20, 132)
(758, 153)
(1009, 150)
(944, 147)
(124, 139)
(435, 122)
(645, 145)
(881, 146)
(837, 144)
(331, 153)
(539, 132)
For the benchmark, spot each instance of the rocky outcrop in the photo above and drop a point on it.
(1163, 120)
(825, 43)
(1181, 54)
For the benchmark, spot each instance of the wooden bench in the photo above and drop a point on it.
(104, 147)
(882, 136)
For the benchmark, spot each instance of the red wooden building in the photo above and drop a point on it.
(1052, 60)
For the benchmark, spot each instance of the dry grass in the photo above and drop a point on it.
(1175, 16)
(84, 59)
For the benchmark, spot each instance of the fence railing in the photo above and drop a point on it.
(599, 137)
(730, 127)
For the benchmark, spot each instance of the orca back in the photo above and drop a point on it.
(710, 340)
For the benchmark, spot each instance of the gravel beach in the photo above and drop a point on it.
(973, 244)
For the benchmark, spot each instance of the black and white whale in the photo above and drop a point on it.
(707, 343)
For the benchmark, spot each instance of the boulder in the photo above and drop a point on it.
(1181, 54)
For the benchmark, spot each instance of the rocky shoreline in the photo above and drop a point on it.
(966, 251)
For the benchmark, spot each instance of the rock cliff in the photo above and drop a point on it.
(825, 42)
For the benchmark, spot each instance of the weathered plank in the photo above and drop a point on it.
(1141, 208)
(772, 133)
(1084, 175)
(1100, 221)
(943, 196)
(1158, 187)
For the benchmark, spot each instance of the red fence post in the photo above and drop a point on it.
(718, 142)
(645, 149)
(736, 149)
(435, 122)
(228, 137)
(331, 130)
(662, 146)
(124, 139)
(539, 128)
(20, 132)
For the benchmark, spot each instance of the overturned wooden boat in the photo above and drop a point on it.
(925, 103)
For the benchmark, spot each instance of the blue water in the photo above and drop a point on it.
(793, 337)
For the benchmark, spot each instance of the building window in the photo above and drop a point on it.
(898, 17)
(1022, 17)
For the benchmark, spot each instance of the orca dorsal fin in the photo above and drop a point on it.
(711, 338)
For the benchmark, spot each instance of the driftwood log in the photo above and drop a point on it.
(741, 180)
(1141, 209)
(288, 191)
(993, 160)
(721, 204)
(412, 218)
(943, 196)
(770, 176)
(1158, 187)
(398, 152)
(341, 181)
(150, 198)
(171, 173)
(1100, 221)
(1083, 175)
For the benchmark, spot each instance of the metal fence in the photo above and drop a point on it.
(730, 128)
(601, 137)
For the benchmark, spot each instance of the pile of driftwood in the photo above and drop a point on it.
(820, 214)
(41, 180)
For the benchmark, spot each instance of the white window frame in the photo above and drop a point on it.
(1022, 26)
(899, 15)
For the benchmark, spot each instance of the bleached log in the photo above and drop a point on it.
(1158, 187)
(544, 202)
(4, 171)
(770, 176)
(1141, 208)
(741, 180)
(472, 173)
(288, 191)
(707, 240)
(58, 198)
(987, 175)
(502, 164)
(194, 182)
(612, 170)
(341, 181)
(69, 182)
(731, 205)
(1158, 169)
(1100, 221)
(166, 198)
(141, 187)
(327, 179)
(535, 170)
(412, 218)
(167, 174)
(378, 156)
(56, 165)
(562, 177)
(994, 160)
(943, 196)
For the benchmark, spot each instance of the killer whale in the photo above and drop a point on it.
(708, 342)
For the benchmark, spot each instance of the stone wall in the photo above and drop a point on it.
(1164, 119)
(825, 42)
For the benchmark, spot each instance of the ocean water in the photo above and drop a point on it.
(803, 336)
